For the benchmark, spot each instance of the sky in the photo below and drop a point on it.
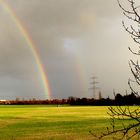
(76, 40)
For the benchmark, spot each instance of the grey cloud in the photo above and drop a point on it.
(98, 44)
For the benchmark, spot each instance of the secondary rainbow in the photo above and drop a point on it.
(32, 47)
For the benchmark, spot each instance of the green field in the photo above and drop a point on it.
(23, 122)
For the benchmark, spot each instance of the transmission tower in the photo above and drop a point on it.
(94, 87)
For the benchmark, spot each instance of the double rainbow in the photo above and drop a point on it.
(31, 45)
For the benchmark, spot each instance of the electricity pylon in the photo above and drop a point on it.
(94, 87)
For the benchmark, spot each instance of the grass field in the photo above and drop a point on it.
(26, 122)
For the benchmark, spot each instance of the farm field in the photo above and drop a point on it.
(40, 122)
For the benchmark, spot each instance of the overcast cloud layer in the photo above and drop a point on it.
(76, 39)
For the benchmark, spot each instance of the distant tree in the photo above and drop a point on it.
(130, 99)
(131, 130)
(71, 100)
(119, 99)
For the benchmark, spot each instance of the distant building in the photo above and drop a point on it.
(2, 100)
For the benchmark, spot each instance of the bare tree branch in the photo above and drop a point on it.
(118, 113)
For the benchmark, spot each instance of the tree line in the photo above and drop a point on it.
(130, 99)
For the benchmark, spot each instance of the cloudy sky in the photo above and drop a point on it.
(76, 39)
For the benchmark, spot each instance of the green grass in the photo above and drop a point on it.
(34, 122)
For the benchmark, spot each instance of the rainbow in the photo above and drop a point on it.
(32, 47)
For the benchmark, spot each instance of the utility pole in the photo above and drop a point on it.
(94, 85)
(100, 95)
(114, 93)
